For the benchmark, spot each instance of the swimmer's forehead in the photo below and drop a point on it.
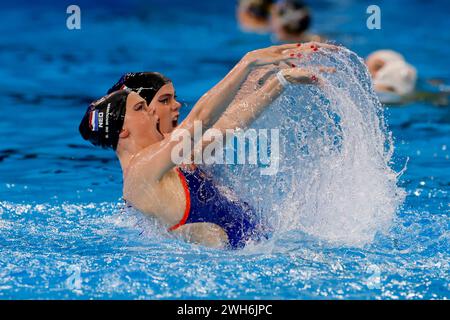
(167, 89)
(133, 99)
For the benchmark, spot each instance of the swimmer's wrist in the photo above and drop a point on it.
(249, 61)
(248, 64)
(282, 80)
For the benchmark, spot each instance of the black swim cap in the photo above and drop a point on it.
(146, 84)
(103, 120)
(295, 15)
(259, 9)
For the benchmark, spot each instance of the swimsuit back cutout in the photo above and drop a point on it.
(206, 203)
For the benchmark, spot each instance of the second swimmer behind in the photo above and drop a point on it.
(187, 200)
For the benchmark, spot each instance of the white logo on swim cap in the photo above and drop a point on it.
(100, 119)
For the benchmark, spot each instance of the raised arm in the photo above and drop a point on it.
(242, 113)
(213, 104)
(154, 161)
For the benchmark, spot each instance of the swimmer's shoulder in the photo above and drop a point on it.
(151, 162)
(140, 166)
(136, 180)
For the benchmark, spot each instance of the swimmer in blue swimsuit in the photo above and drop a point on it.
(188, 201)
(205, 203)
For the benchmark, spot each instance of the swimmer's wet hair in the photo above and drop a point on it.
(259, 9)
(103, 120)
(146, 84)
(296, 15)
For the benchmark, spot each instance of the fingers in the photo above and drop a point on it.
(284, 65)
(297, 72)
(301, 76)
(309, 47)
(293, 47)
(276, 60)
(302, 71)
(267, 75)
(301, 80)
(327, 69)
(287, 55)
(300, 50)
(326, 46)
(283, 47)
(297, 75)
(273, 49)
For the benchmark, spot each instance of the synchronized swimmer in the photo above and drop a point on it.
(137, 119)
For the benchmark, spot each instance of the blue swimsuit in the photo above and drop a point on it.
(205, 203)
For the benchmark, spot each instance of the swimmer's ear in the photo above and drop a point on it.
(124, 133)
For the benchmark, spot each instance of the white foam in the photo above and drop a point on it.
(335, 182)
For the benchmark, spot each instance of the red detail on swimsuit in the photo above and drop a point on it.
(187, 209)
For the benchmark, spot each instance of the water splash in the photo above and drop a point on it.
(334, 182)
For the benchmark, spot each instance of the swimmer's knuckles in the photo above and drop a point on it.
(271, 55)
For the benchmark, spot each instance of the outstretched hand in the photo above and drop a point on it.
(270, 55)
(283, 53)
(309, 47)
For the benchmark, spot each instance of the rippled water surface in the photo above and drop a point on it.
(63, 230)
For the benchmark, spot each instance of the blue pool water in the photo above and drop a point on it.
(63, 233)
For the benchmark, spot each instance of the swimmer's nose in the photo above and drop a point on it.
(151, 110)
(176, 106)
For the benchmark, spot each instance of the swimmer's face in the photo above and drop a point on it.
(374, 65)
(289, 24)
(167, 108)
(276, 22)
(251, 22)
(141, 122)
